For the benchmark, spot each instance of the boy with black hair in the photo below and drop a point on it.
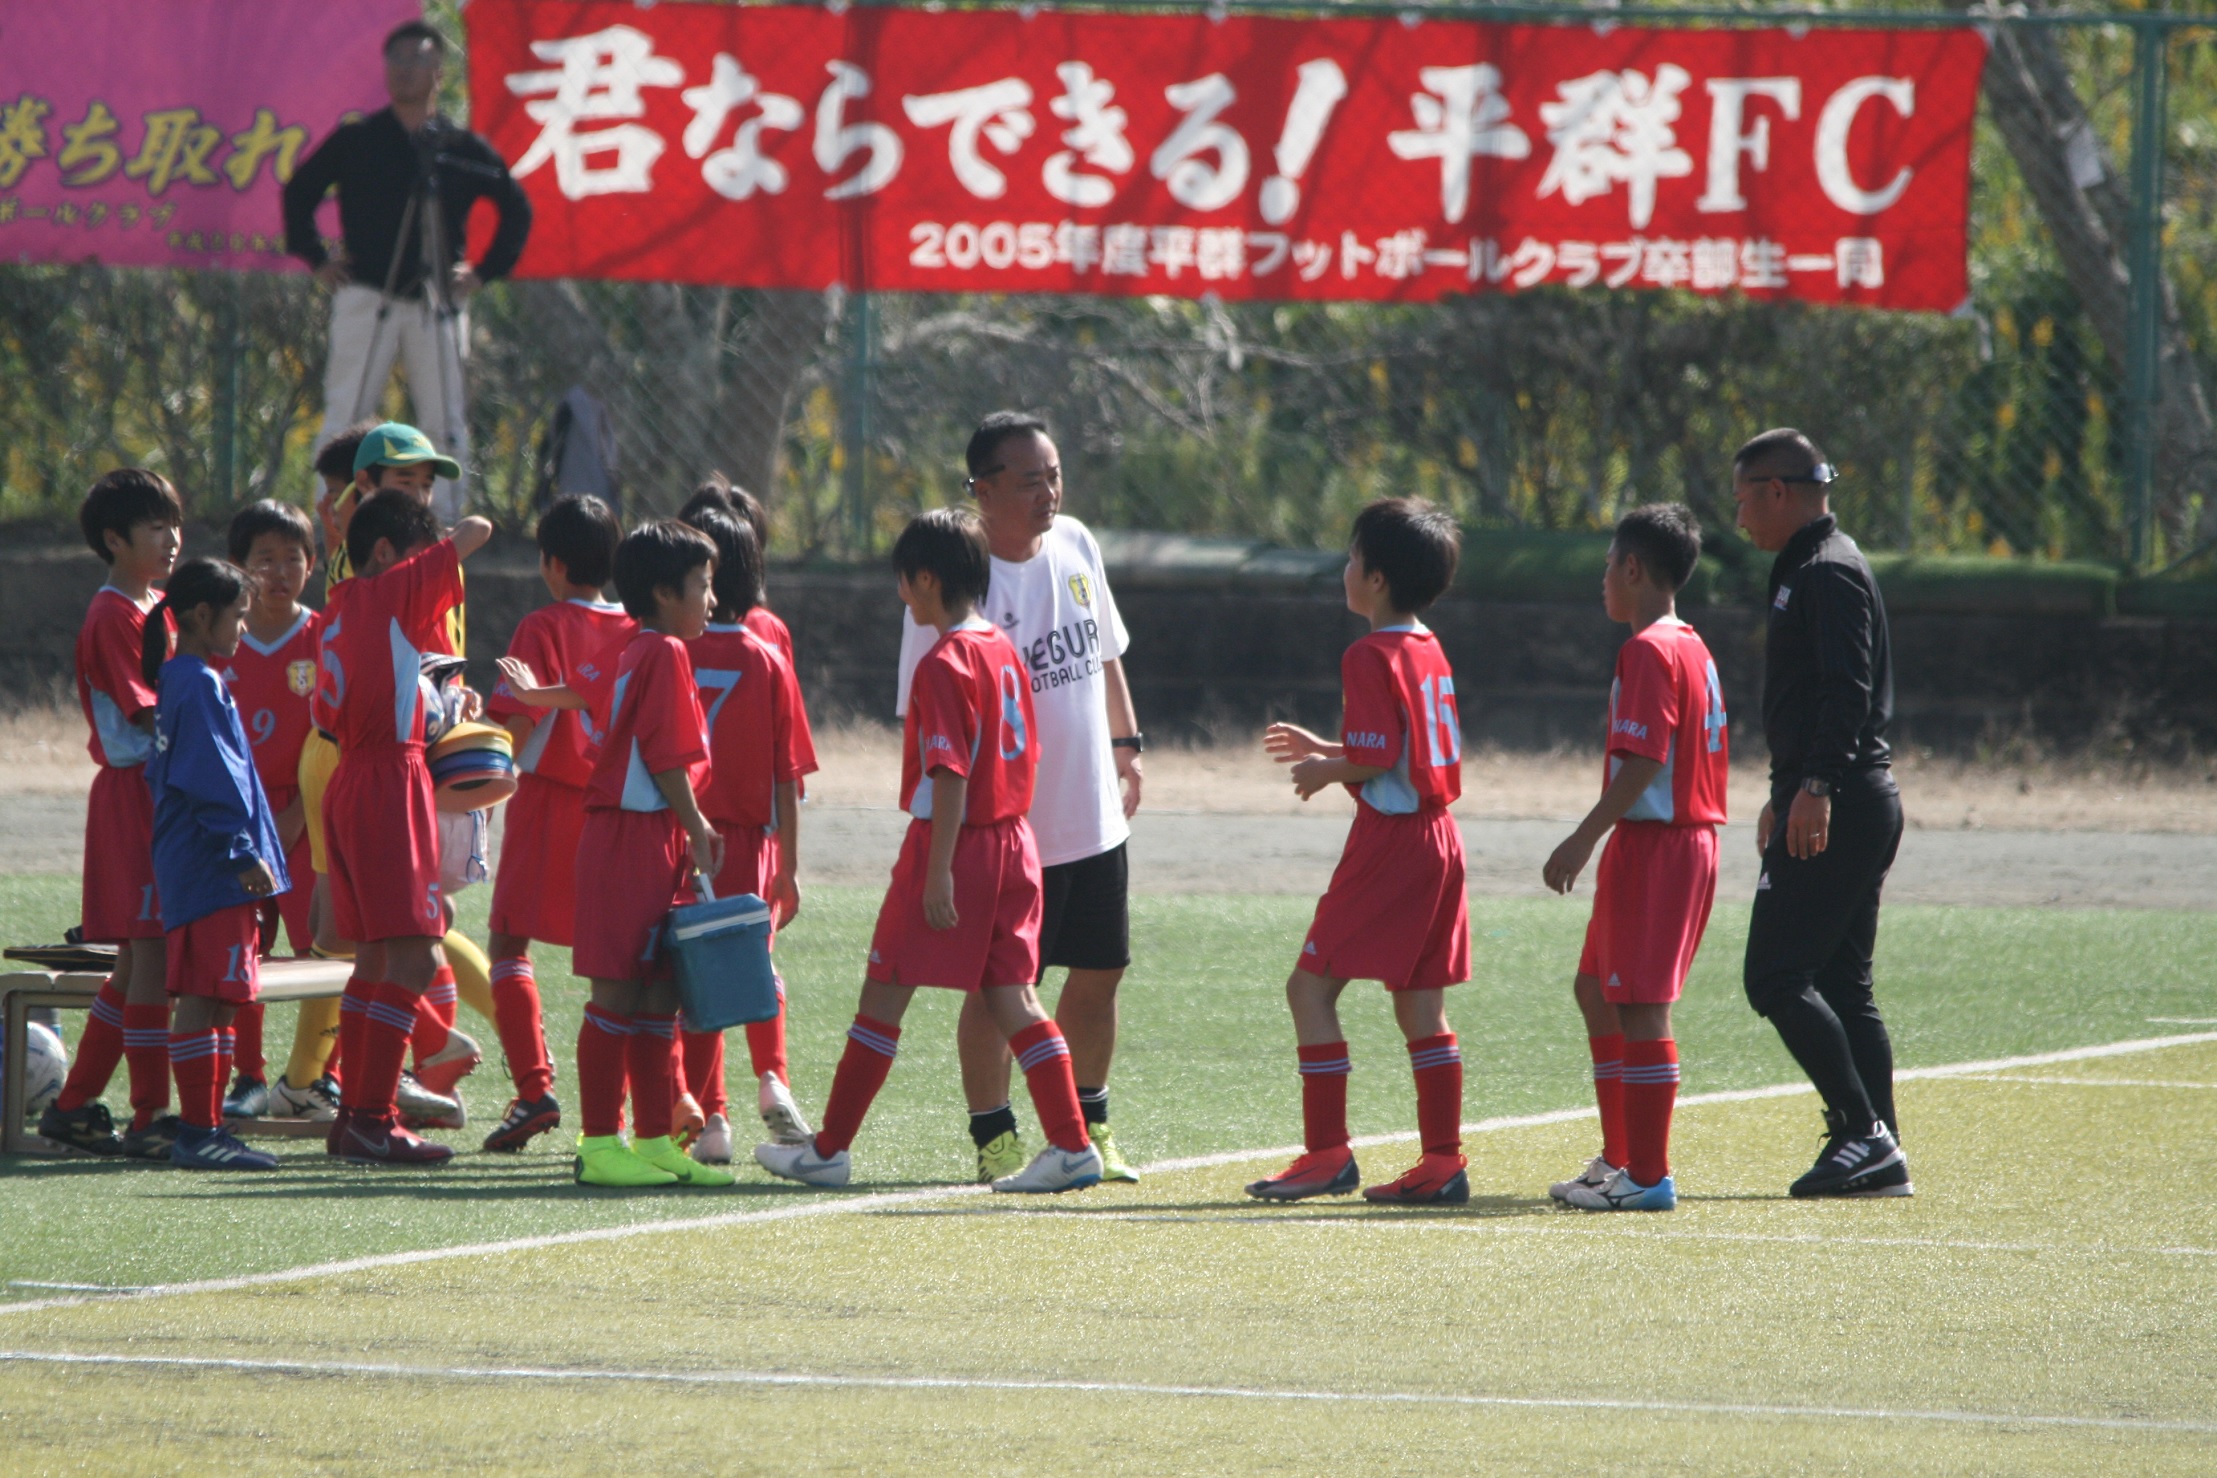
(270, 676)
(963, 909)
(535, 894)
(133, 520)
(719, 493)
(755, 725)
(1395, 910)
(1663, 799)
(643, 839)
(383, 833)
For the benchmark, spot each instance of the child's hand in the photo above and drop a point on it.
(939, 900)
(1569, 860)
(1310, 775)
(522, 682)
(707, 847)
(258, 881)
(785, 898)
(473, 705)
(1287, 743)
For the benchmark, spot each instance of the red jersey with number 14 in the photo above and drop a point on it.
(1666, 704)
(1399, 714)
(970, 712)
(272, 685)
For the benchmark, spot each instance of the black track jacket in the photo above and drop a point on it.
(1828, 670)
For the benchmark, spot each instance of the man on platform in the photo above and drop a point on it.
(386, 303)
(1049, 594)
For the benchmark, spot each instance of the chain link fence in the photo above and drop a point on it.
(2001, 430)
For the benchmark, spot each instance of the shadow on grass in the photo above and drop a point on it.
(1228, 1211)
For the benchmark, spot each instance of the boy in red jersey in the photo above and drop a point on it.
(963, 908)
(755, 729)
(380, 820)
(643, 838)
(271, 675)
(132, 519)
(1663, 801)
(1395, 910)
(721, 494)
(535, 892)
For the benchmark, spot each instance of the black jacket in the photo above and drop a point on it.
(376, 163)
(1828, 668)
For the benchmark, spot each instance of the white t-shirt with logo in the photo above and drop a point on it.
(1059, 615)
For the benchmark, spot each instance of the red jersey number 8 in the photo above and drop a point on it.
(1012, 715)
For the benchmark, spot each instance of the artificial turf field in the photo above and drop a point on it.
(2047, 1302)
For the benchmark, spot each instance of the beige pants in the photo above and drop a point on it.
(362, 356)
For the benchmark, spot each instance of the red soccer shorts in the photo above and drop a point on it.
(215, 955)
(381, 834)
(119, 898)
(535, 890)
(632, 868)
(995, 940)
(1651, 901)
(750, 861)
(1395, 910)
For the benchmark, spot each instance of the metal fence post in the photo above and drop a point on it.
(2151, 77)
(854, 418)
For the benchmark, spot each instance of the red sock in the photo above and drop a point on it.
(434, 1015)
(766, 1042)
(704, 1070)
(146, 1054)
(1608, 1092)
(603, 1042)
(1438, 1065)
(1045, 1058)
(198, 1061)
(385, 1031)
(1324, 1069)
(99, 1049)
(354, 1004)
(246, 1041)
(1650, 1090)
(862, 1072)
(652, 1062)
(523, 1037)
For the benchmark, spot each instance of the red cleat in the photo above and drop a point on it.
(337, 1131)
(1317, 1173)
(381, 1141)
(1437, 1180)
(687, 1121)
(450, 1064)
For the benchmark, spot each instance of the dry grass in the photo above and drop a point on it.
(42, 752)
(861, 765)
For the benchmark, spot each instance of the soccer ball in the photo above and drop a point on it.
(45, 1063)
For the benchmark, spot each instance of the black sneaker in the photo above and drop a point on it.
(88, 1127)
(248, 1099)
(155, 1140)
(1868, 1164)
(524, 1122)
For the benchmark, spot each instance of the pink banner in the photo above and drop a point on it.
(158, 133)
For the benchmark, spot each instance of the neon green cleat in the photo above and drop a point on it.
(664, 1155)
(1004, 1156)
(607, 1160)
(1113, 1164)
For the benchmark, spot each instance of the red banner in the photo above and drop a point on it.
(1247, 158)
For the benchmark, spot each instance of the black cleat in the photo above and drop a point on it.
(155, 1140)
(248, 1099)
(88, 1127)
(1868, 1164)
(523, 1123)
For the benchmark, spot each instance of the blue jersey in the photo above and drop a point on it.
(211, 819)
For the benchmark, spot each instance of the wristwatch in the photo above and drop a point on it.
(1136, 743)
(1817, 787)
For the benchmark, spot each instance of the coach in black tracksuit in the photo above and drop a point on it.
(1833, 822)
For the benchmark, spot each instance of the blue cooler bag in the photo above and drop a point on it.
(721, 948)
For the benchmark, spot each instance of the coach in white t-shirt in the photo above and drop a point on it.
(1049, 594)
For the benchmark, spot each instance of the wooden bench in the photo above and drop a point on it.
(21, 990)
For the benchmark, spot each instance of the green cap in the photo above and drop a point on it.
(396, 445)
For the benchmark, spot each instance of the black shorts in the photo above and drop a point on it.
(1085, 923)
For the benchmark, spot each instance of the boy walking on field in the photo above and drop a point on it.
(1665, 798)
(1395, 910)
(964, 906)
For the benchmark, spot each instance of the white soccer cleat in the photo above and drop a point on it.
(1620, 1192)
(1054, 1170)
(313, 1104)
(714, 1145)
(801, 1162)
(780, 1114)
(420, 1108)
(1597, 1171)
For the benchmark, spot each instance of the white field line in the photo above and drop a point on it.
(836, 1205)
(789, 1380)
(2082, 1082)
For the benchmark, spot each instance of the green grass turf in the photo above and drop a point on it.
(2047, 1269)
(1205, 1066)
